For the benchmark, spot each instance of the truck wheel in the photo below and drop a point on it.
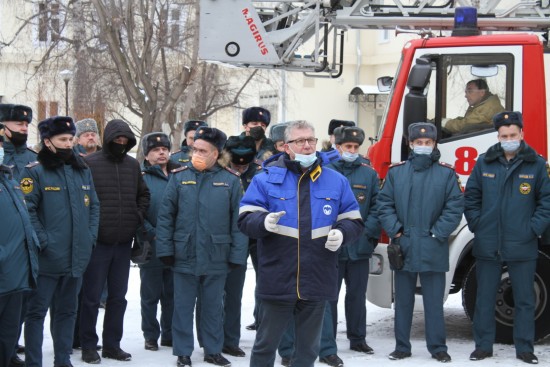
(504, 308)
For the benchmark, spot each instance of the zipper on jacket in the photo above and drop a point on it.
(298, 226)
(119, 201)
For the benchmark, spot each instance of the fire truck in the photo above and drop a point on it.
(502, 42)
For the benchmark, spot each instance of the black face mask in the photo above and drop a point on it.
(17, 138)
(64, 154)
(117, 150)
(257, 133)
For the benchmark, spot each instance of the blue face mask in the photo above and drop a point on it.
(423, 149)
(510, 146)
(349, 157)
(1, 155)
(306, 160)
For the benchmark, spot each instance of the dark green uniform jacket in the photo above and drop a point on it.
(18, 242)
(422, 199)
(508, 204)
(197, 221)
(64, 211)
(182, 156)
(364, 183)
(17, 158)
(156, 182)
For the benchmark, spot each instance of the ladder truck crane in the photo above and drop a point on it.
(500, 41)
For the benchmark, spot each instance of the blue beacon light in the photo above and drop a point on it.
(465, 22)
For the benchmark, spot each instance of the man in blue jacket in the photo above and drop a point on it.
(157, 279)
(507, 208)
(64, 210)
(18, 261)
(420, 205)
(301, 214)
(354, 260)
(197, 235)
(183, 155)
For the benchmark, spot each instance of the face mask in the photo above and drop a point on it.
(423, 149)
(306, 160)
(62, 153)
(199, 163)
(349, 157)
(510, 146)
(17, 138)
(257, 133)
(1, 155)
(117, 150)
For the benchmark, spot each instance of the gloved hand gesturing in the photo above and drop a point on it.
(271, 220)
(334, 240)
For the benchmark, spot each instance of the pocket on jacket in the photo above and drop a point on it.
(182, 248)
(221, 245)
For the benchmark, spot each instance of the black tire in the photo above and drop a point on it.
(504, 308)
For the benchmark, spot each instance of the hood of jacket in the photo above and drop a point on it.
(114, 129)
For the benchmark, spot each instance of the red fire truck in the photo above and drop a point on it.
(431, 76)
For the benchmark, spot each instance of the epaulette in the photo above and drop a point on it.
(32, 164)
(397, 164)
(366, 165)
(179, 169)
(231, 170)
(259, 162)
(444, 164)
(177, 151)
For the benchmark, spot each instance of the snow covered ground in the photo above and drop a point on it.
(379, 330)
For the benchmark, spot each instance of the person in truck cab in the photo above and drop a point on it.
(483, 105)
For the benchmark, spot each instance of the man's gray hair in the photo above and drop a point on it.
(298, 124)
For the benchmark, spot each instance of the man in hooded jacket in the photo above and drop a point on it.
(124, 199)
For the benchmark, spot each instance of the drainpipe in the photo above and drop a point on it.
(357, 70)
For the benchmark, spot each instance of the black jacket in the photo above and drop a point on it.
(123, 195)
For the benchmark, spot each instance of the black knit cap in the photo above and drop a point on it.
(15, 112)
(154, 140)
(333, 124)
(212, 135)
(193, 125)
(345, 134)
(256, 114)
(242, 149)
(55, 126)
(508, 118)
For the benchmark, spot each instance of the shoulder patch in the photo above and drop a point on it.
(444, 164)
(32, 164)
(231, 170)
(397, 164)
(179, 169)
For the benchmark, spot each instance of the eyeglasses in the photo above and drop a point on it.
(302, 142)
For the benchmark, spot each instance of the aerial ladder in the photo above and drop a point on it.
(308, 36)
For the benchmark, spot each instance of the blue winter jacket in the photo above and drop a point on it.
(364, 183)
(508, 204)
(197, 221)
(18, 243)
(422, 199)
(17, 158)
(294, 263)
(156, 182)
(64, 211)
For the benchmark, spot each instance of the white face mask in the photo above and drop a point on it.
(423, 149)
(510, 146)
(349, 157)
(306, 160)
(1, 155)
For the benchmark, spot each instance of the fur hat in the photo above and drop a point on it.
(277, 132)
(333, 124)
(508, 118)
(56, 125)
(345, 134)
(86, 125)
(192, 125)
(256, 114)
(420, 130)
(212, 135)
(242, 149)
(15, 112)
(153, 140)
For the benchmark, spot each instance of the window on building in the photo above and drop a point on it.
(47, 109)
(49, 24)
(270, 101)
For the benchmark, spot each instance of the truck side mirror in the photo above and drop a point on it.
(384, 83)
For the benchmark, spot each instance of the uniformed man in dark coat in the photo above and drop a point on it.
(255, 123)
(18, 261)
(197, 235)
(420, 205)
(330, 144)
(64, 210)
(277, 136)
(507, 208)
(183, 155)
(157, 279)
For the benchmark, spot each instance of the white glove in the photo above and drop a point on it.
(334, 240)
(271, 220)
